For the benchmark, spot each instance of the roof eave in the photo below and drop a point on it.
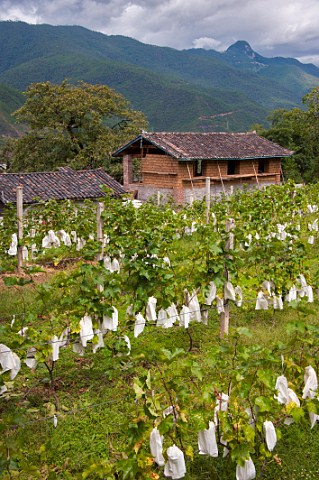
(193, 159)
(120, 150)
(139, 139)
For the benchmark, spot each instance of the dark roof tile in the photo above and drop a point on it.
(211, 145)
(62, 184)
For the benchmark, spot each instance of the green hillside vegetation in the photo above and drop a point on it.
(291, 76)
(240, 56)
(10, 100)
(173, 88)
(184, 103)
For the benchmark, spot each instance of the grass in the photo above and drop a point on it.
(95, 401)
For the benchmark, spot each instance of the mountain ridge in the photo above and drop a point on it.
(241, 49)
(174, 88)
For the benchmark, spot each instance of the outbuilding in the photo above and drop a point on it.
(177, 164)
(62, 184)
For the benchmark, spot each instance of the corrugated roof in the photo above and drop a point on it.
(62, 184)
(211, 145)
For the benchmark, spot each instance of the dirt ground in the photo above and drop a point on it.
(47, 271)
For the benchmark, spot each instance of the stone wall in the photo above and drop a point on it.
(217, 188)
(146, 191)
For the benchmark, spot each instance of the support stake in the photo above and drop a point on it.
(207, 196)
(224, 316)
(99, 222)
(20, 225)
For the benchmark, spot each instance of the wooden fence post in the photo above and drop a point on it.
(99, 223)
(224, 316)
(207, 197)
(19, 193)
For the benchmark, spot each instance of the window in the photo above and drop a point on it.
(263, 166)
(198, 168)
(232, 167)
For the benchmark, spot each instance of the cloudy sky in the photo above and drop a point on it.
(272, 27)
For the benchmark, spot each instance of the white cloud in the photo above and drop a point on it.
(309, 59)
(208, 43)
(15, 11)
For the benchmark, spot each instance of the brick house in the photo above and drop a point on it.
(177, 164)
(62, 184)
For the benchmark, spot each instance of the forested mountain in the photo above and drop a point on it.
(192, 89)
(10, 100)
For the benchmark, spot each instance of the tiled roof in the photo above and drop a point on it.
(210, 146)
(62, 184)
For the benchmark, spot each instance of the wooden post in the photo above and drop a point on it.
(257, 181)
(190, 177)
(224, 316)
(158, 198)
(224, 320)
(221, 178)
(19, 193)
(207, 195)
(99, 223)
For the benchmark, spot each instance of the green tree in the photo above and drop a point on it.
(75, 125)
(298, 130)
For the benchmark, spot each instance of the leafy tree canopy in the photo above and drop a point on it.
(298, 130)
(75, 125)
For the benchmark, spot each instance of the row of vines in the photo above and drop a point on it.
(167, 267)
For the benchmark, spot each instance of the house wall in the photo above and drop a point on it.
(171, 178)
(163, 174)
(215, 169)
(275, 165)
(159, 165)
(245, 167)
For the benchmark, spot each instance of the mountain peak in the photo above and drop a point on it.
(241, 47)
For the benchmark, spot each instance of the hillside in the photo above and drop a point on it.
(10, 100)
(175, 89)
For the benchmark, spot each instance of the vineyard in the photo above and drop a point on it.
(167, 341)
